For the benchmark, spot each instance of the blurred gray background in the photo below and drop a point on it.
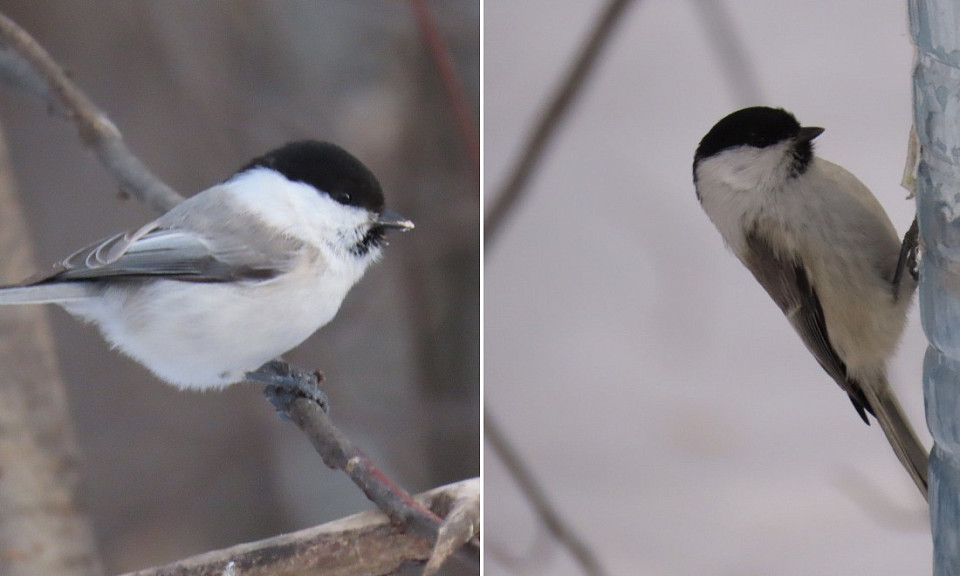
(198, 88)
(655, 389)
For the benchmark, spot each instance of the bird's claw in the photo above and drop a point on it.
(908, 260)
(286, 382)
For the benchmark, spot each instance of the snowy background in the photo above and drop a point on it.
(657, 391)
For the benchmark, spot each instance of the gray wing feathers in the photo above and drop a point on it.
(192, 242)
(788, 285)
(108, 251)
(44, 293)
(169, 253)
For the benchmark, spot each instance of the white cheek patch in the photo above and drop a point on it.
(739, 186)
(298, 210)
(747, 167)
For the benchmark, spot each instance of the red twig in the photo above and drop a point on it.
(339, 453)
(463, 116)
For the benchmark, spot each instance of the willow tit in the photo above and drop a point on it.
(234, 276)
(822, 247)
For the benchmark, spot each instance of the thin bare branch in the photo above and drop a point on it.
(94, 127)
(339, 453)
(552, 117)
(451, 84)
(505, 202)
(365, 543)
(537, 497)
(734, 58)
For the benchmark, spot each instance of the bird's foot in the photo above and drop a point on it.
(908, 259)
(286, 382)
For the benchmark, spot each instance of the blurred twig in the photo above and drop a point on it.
(537, 497)
(95, 129)
(734, 59)
(552, 116)
(451, 84)
(365, 543)
(504, 203)
(441, 287)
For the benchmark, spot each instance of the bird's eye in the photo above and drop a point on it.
(343, 197)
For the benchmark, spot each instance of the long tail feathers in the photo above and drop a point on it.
(44, 293)
(900, 434)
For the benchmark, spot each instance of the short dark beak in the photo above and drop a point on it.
(390, 219)
(808, 133)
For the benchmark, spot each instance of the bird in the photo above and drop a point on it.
(231, 278)
(823, 248)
